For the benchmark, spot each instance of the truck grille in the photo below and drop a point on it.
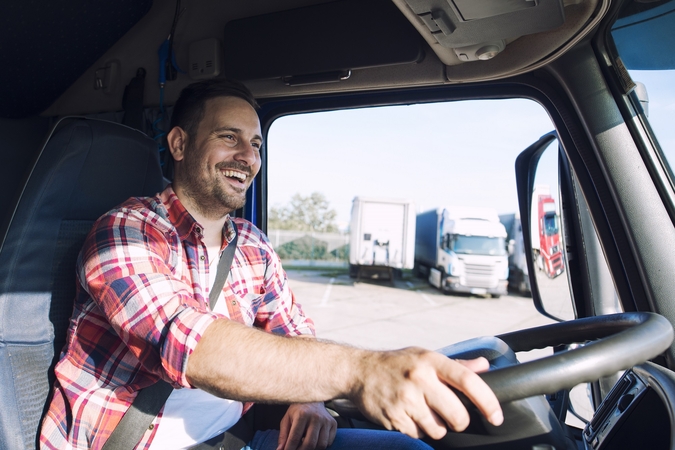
(480, 275)
(557, 262)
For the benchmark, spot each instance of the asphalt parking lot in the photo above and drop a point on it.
(373, 314)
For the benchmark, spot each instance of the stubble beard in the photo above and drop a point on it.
(208, 194)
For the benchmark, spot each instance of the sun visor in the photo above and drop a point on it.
(465, 23)
(320, 43)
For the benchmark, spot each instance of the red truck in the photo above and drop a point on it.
(546, 242)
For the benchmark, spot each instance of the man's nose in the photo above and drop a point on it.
(247, 153)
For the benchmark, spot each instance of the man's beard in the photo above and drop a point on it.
(208, 195)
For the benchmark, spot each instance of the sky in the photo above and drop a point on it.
(437, 155)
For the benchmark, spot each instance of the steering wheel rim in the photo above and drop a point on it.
(644, 334)
(620, 341)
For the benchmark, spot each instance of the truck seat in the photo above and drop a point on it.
(86, 167)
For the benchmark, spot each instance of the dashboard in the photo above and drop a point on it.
(636, 414)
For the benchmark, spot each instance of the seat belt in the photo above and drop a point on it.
(150, 400)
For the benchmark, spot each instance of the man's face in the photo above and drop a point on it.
(221, 160)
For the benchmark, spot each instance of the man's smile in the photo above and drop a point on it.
(229, 173)
(235, 177)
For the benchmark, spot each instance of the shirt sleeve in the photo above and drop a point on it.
(279, 312)
(131, 267)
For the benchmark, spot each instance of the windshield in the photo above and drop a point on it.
(550, 225)
(478, 245)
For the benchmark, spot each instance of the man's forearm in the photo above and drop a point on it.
(241, 363)
(407, 389)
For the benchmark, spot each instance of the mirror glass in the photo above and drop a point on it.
(548, 238)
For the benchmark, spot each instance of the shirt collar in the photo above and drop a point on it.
(185, 224)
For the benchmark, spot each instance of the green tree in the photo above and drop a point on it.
(304, 213)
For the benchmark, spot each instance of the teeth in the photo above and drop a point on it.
(235, 174)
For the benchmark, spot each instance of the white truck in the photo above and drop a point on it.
(381, 237)
(519, 279)
(462, 249)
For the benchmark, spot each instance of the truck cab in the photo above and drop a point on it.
(463, 249)
(105, 75)
(549, 257)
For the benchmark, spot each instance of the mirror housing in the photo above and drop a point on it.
(526, 168)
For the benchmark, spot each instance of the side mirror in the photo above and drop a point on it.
(537, 178)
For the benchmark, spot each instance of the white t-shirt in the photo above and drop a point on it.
(192, 416)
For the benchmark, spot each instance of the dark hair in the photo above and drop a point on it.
(189, 108)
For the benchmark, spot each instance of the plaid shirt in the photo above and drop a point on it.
(140, 310)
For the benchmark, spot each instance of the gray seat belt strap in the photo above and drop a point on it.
(223, 270)
(150, 400)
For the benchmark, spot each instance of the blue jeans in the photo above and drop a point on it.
(347, 439)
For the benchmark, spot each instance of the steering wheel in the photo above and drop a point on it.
(620, 341)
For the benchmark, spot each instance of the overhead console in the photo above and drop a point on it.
(479, 29)
(320, 43)
(481, 40)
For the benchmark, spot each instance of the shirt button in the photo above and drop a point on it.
(152, 425)
(202, 257)
(234, 302)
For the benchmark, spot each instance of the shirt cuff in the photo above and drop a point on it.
(185, 331)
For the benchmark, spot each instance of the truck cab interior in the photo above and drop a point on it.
(86, 91)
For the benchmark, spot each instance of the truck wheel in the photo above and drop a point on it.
(353, 271)
(444, 289)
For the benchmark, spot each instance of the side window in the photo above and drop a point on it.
(651, 70)
(399, 225)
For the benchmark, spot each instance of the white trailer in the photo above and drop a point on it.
(382, 236)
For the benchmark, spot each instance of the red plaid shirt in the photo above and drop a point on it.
(140, 310)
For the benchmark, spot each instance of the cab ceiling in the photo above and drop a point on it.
(60, 48)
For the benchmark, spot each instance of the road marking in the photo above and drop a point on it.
(427, 298)
(326, 293)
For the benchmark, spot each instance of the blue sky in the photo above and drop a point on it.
(437, 155)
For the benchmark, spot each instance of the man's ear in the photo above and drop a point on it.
(177, 141)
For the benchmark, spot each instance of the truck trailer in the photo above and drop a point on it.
(382, 236)
(519, 280)
(462, 249)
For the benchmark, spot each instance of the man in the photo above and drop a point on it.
(142, 314)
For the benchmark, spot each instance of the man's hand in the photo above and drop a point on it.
(407, 390)
(306, 426)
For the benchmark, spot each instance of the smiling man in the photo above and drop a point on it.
(142, 314)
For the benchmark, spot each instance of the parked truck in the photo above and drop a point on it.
(546, 242)
(519, 280)
(462, 249)
(382, 237)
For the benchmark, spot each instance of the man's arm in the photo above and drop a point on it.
(405, 389)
